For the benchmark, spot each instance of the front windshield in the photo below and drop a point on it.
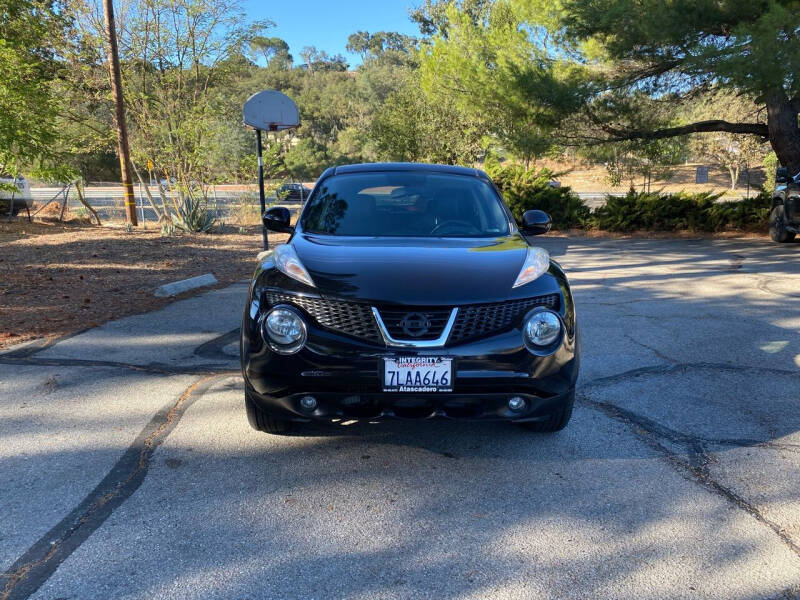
(406, 203)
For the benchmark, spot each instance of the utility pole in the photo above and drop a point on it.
(119, 110)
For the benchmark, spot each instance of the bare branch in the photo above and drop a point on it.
(618, 135)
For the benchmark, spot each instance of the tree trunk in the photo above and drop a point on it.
(784, 133)
(734, 173)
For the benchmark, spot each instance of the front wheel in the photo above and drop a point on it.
(263, 421)
(556, 420)
(777, 226)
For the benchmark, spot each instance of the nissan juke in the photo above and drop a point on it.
(408, 291)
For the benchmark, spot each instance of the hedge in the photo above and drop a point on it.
(528, 189)
(525, 189)
(682, 211)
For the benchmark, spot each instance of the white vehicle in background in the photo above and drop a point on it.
(11, 202)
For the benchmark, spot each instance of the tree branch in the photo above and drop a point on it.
(759, 129)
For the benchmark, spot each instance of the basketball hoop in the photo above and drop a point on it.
(268, 110)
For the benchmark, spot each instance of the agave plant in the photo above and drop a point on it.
(193, 216)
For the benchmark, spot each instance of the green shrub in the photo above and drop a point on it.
(527, 189)
(682, 211)
(771, 165)
(750, 214)
(193, 215)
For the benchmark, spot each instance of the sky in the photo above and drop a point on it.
(326, 24)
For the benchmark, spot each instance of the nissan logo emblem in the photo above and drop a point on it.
(415, 324)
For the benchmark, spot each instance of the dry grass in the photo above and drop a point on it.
(594, 178)
(247, 213)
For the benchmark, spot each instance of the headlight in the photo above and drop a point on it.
(541, 329)
(283, 330)
(536, 263)
(287, 262)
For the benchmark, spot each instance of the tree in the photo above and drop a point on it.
(686, 46)
(274, 50)
(32, 34)
(729, 151)
(319, 60)
(378, 44)
(593, 60)
(498, 74)
(433, 19)
(648, 159)
(410, 127)
(178, 57)
(358, 43)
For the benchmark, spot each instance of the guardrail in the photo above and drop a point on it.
(109, 200)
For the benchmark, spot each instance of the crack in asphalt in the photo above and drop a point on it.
(42, 559)
(655, 351)
(156, 368)
(695, 466)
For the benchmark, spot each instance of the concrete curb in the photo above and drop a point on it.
(184, 285)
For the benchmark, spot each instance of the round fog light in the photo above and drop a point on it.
(517, 404)
(308, 403)
(284, 330)
(542, 328)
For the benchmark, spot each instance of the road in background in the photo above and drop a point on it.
(223, 200)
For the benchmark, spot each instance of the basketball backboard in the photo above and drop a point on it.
(270, 111)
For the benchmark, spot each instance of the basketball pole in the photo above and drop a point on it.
(261, 197)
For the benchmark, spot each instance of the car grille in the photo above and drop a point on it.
(349, 318)
(436, 320)
(483, 319)
(356, 319)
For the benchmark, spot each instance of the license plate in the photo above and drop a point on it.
(417, 374)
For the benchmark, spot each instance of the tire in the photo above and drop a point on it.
(16, 207)
(777, 226)
(263, 421)
(555, 421)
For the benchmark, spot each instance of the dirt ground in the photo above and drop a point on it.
(58, 278)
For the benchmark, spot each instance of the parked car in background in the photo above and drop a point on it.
(784, 220)
(407, 290)
(293, 191)
(19, 199)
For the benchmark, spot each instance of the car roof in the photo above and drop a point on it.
(403, 166)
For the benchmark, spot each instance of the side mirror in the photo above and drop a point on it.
(277, 219)
(782, 175)
(536, 222)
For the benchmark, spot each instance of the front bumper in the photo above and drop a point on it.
(485, 407)
(344, 376)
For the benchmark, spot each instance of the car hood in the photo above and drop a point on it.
(417, 271)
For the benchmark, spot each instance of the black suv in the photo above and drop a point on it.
(784, 220)
(408, 290)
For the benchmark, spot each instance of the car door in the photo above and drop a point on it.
(792, 208)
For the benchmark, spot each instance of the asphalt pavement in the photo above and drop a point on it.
(128, 468)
